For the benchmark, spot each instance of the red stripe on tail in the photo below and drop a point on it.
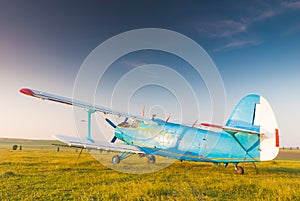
(277, 137)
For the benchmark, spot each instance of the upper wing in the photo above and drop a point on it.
(81, 142)
(84, 143)
(68, 101)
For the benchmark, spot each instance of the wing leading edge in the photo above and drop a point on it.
(68, 101)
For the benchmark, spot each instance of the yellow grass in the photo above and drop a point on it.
(44, 174)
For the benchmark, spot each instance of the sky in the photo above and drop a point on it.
(255, 46)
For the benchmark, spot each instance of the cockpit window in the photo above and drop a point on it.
(130, 124)
(124, 125)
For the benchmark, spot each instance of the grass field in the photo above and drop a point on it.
(38, 172)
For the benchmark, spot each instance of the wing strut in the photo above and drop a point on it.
(88, 137)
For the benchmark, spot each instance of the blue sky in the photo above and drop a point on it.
(255, 46)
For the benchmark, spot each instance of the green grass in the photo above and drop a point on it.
(44, 174)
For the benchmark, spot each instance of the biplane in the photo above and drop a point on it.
(250, 135)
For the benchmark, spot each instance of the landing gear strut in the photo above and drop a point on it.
(116, 159)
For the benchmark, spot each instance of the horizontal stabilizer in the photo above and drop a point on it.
(230, 129)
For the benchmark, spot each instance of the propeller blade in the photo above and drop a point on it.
(114, 126)
(125, 119)
(110, 123)
(168, 118)
(114, 139)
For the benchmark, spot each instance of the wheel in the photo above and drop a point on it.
(239, 170)
(151, 159)
(115, 159)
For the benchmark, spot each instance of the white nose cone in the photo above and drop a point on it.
(269, 141)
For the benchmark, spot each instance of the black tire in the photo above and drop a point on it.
(115, 159)
(239, 170)
(151, 159)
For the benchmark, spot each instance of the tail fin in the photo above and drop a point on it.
(254, 113)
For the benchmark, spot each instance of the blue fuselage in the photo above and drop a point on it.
(188, 143)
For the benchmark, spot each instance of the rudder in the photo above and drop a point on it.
(254, 113)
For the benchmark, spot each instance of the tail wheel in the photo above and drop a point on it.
(239, 170)
(151, 159)
(116, 159)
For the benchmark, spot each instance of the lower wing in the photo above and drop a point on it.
(98, 145)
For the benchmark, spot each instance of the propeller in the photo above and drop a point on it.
(114, 126)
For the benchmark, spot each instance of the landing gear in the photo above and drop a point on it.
(239, 170)
(151, 159)
(115, 159)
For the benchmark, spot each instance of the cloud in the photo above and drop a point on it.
(243, 23)
(236, 44)
(132, 63)
(227, 28)
(244, 19)
(221, 29)
(291, 4)
(292, 30)
(266, 14)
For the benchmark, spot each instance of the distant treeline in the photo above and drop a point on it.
(291, 148)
